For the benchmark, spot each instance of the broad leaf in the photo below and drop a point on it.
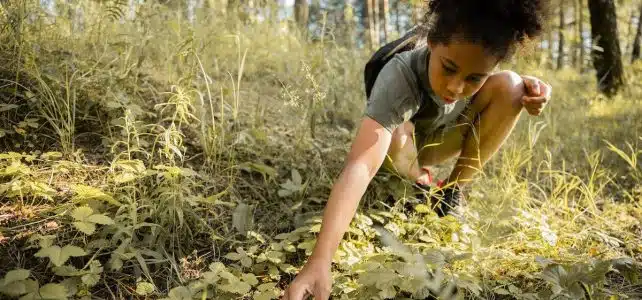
(144, 288)
(82, 213)
(90, 279)
(100, 219)
(53, 291)
(236, 287)
(15, 275)
(59, 256)
(87, 228)
(14, 289)
(250, 278)
(180, 293)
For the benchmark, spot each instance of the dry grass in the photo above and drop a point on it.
(198, 141)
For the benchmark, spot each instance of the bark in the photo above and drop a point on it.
(371, 23)
(575, 44)
(397, 12)
(580, 31)
(607, 56)
(560, 45)
(377, 23)
(301, 14)
(385, 17)
(635, 53)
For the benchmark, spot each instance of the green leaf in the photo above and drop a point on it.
(250, 278)
(296, 177)
(59, 256)
(144, 288)
(267, 295)
(85, 227)
(85, 193)
(90, 279)
(246, 261)
(82, 213)
(180, 293)
(274, 256)
(266, 286)
(15, 275)
(67, 271)
(100, 219)
(54, 254)
(234, 256)
(14, 289)
(237, 287)
(6, 107)
(53, 291)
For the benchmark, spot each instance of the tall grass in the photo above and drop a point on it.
(218, 141)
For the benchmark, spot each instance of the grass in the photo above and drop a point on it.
(153, 158)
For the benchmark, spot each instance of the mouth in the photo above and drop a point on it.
(449, 100)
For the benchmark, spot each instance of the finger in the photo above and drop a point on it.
(322, 294)
(533, 100)
(534, 105)
(533, 87)
(534, 111)
(295, 292)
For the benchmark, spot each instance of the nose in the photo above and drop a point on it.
(456, 87)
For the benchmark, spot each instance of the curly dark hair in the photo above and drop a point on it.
(498, 25)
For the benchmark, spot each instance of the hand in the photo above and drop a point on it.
(313, 280)
(537, 95)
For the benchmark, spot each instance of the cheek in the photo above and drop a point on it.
(435, 77)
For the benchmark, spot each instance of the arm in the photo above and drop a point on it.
(365, 158)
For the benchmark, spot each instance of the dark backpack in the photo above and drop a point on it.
(384, 54)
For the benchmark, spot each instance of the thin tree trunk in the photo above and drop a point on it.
(574, 45)
(371, 23)
(397, 23)
(551, 50)
(377, 23)
(301, 15)
(629, 35)
(580, 31)
(385, 16)
(607, 57)
(635, 53)
(560, 45)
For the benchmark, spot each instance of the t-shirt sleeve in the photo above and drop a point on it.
(392, 101)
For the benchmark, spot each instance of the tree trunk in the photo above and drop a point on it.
(397, 13)
(574, 45)
(551, 50)
(580, 31)
(371, 23)
(560, 45)
(377, 23)
(385, 16)
(635, 54)
(607, 57)
(301, 14)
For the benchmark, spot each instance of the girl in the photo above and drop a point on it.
(445, 92)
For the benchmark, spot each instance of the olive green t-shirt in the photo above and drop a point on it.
(402, 92)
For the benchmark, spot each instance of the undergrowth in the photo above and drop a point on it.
(155, 158)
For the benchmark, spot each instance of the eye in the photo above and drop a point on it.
(449, 70)
(474, 79)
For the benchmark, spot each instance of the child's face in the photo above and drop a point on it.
(459, 69)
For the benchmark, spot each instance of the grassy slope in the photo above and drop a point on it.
(189, 171)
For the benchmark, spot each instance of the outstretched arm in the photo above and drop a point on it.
(365, 158)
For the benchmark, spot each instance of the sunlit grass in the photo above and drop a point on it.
(217, 142)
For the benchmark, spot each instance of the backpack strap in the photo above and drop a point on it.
(384, 54)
